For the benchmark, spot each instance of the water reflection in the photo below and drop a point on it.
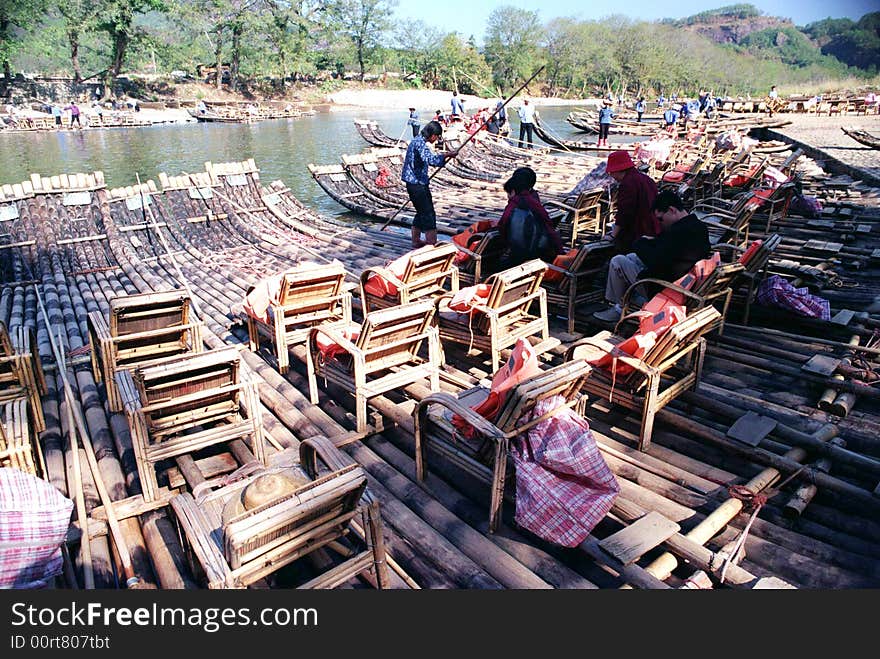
(281, 148)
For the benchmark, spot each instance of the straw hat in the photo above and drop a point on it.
(263, 489)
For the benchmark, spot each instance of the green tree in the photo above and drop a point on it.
(80, 17)
(364, 23)
(16, 16)
(116, 19)
(512, 49)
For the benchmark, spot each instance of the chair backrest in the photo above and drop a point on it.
(393, 336)
(295, 519)
(515, 284)
(189, 391)
(425, 272)
(565, 380)
(676, 338)
(131, 314)
(762, 254)
(719, 279)
(589, 199)
(310, 289)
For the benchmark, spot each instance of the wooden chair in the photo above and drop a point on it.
(21, 372)
(754, 269)
(310, 295)
(143, 328)
(483, 258)
(383, 357)
(574, 285)
(425, 275)
(666, 370)
(486, 457)
(18, 448)
(506, 315)
(714, 288)
(187, 403)
(733, 228)
(584, 216)
(234, 547)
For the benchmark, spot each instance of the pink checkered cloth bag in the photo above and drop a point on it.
(34, 518)
(563, 485)
(776, 291)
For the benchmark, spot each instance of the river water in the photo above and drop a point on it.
(282, 148)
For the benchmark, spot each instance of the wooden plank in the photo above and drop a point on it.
(821, 365)
(628, 544)
(771, 583)
(751, 428)
(823, 246)
(843, 317)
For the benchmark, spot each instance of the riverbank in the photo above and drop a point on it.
(433, 99)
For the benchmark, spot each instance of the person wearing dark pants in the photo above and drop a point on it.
(526, 123)
(413, 122)
(415, 174)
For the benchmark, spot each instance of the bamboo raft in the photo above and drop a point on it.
(217, 232)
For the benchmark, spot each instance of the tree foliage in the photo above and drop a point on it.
(271, 42)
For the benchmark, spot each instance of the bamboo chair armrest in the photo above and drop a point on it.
(319, 446)
(665, 284)
(629, 360)
(384, 273)
(556, 268)
(470, 253)
(451, 402)
(497, 311)
(562, 205)
(339, 339)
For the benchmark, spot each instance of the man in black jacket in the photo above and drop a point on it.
(683, 241)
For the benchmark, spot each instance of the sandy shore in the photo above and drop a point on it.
(433, 99)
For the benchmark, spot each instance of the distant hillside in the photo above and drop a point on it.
(825, 43)
(730, 24)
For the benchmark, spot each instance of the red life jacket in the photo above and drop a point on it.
(750, 251)
(469, 236)
(329, 348)
(561, 261)
(519, 367)
(379, 286)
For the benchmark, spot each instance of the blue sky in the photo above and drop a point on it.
(468, 17)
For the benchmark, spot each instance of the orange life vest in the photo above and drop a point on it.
(381, 286)
(468, 297)
(750, 251)
(519, 367)
(561, 261)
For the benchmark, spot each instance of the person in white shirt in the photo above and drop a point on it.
(526, 122)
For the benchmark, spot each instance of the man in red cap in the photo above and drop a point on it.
(635, 202)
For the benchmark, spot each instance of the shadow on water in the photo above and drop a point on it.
(281, 148)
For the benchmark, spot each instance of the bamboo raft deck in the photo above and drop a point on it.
(219, 231)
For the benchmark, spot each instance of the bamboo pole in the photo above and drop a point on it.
(467, 141)
(81, 514)
(131, 580)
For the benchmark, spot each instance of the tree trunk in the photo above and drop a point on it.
(218, 60)
(237, 29)
(73, 39)
(7, 69)
(360, 49)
